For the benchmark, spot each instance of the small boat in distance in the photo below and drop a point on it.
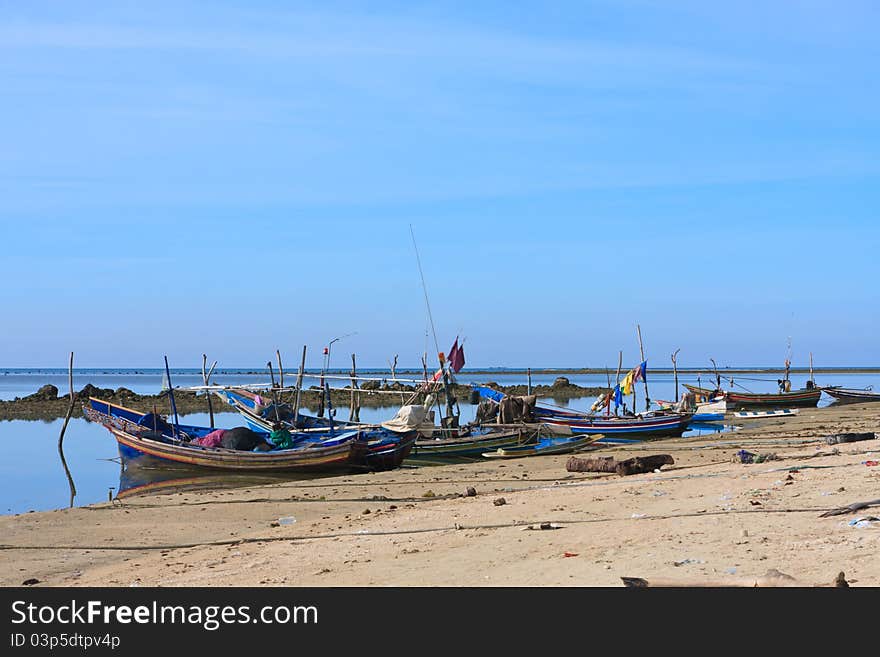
(805, 397)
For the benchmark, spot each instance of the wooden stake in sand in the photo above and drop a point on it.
(64, 428)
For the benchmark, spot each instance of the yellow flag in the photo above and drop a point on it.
(627, 384)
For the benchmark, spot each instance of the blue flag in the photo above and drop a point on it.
(618, 397)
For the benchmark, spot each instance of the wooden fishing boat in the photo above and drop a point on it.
(745, 400)
(659, 424)
(474, 442)
(656, 424)
(385, 450)
(545, 446)
(745, 415)
(852, 395)
(138, 438)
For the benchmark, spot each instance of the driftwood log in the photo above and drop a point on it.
(601, 464)
(636, 465)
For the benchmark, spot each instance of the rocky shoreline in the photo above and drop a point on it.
(46, 404)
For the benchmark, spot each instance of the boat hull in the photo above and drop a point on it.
(746, 400)
(544, 447)
(308, 459)
(660, 426)
(850, 396)
(430, 448)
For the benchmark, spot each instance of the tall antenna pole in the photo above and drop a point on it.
(424, 289)
(449, 401)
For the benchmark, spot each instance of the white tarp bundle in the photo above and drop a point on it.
(412, 417)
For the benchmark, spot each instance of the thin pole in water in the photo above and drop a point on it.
(675, 372)
(206, 377)
(64, 428)
(171, 398)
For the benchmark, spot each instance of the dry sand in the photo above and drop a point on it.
(704, 520)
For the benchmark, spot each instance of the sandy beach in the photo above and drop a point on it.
(706, 519)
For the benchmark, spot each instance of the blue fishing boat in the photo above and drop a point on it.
(386, 449)
(147, 436)
(656, 424)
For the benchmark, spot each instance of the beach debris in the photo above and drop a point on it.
(428, 493)
(744, 456)
(541, 526)
(731, 571)
(870, 463)
(849, 437)
(637, 515)
(770, 579)
(866, 521)
(286, 520)
(569, 554)
(365, 512)
(499, 501)
(685, 562)
(471, 492)
(32, 580)
(840, 581)
(852, 508)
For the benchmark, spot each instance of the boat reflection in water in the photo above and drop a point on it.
(696, 429)
(140, 477)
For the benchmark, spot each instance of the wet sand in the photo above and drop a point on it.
(706, 519)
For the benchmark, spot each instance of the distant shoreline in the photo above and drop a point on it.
(409, 372)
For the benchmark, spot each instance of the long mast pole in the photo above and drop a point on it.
(619, 365)
(644, 378)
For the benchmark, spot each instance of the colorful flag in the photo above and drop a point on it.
(456, 356)
(640, 371)
(618, 397)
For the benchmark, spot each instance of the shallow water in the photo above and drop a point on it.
(32, 477)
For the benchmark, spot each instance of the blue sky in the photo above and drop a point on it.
(232, 178)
